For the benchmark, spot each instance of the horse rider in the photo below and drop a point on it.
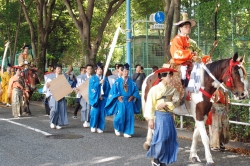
(25, 57)
(183, 49)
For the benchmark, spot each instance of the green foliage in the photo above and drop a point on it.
(140, 116)
(240, 114)
(71, 99)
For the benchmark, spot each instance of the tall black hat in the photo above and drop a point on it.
(126, 66)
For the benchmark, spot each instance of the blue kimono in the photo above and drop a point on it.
(124, 111)
(97, 112)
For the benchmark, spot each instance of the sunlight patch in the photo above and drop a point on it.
(106, 159)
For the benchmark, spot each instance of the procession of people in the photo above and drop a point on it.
(118, 95)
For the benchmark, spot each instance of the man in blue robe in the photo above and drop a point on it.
(124, 101)
(98, 92)
(58, 109)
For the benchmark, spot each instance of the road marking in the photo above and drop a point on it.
(26, 126)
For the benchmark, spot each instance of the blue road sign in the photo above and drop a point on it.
(159, 17)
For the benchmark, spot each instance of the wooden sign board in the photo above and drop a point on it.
(60, 87)
(83, 90)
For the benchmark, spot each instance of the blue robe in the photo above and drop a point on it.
(97, 112)
(124, 111)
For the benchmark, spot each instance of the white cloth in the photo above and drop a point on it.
(183, 72)
(194, 83)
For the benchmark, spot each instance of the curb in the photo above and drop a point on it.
(238, 147)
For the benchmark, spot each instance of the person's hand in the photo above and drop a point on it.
(101, 98)
(196, 59)
(130, 98)
(151, 124)
(120, 99)
(48, 85)
(102, 81)
(161, 106)
(8, 95)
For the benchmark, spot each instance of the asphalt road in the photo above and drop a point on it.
(29, 141)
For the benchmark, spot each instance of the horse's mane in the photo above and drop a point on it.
(216, 65)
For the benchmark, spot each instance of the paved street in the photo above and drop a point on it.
(28, 141)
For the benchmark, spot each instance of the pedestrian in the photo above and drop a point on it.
(98, 92)
(124, 101)
(138, 77)
(58, 109)
(16, 87)
(5, 83)
(47, 75)
(78, 96)
(218, 121)
(183, 49)
(85, 110)
(161, 100)
(70, 73)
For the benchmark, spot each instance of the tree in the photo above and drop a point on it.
(44, 9)
(172, 13)
(91, 36)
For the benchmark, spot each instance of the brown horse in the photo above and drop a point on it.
(227, 71)
(31, 80)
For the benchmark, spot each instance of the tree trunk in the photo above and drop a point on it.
(83, 24)
(44, 15)
(13, 56)
(172, 12)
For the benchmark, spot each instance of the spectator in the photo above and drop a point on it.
(154, 68)
(137, 77)
(114, 72)
(70, 73)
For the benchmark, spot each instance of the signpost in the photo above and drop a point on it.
(158, 18)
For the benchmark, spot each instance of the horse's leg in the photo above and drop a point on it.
(193, 151)
(205, 140)
(146, 144)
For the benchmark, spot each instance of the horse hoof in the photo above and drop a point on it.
(194, 160)
(210, 164)
(146, 146)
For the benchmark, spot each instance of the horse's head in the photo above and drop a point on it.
(235, 77)
(33, 78)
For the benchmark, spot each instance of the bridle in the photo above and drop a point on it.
(228, 73)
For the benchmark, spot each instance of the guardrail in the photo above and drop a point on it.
(230, 121)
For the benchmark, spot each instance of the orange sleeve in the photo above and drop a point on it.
(179, 50)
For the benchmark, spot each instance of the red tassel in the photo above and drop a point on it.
(188, 96)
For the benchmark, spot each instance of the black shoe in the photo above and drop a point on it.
(222, 147)
(156, 162)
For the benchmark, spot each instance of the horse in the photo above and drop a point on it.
(228, 71)
(31, 80)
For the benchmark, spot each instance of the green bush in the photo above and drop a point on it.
(71, 99)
